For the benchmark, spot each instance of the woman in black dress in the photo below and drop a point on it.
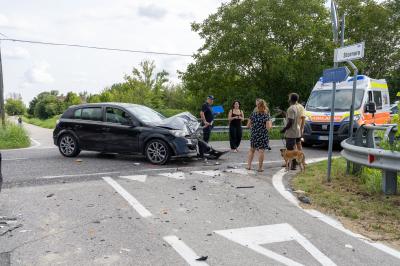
(235, 118)
(259, 123)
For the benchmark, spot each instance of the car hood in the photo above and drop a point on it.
(183, 121)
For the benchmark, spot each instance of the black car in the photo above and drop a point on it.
(126, 129)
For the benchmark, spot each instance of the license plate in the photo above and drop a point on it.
(323, 137)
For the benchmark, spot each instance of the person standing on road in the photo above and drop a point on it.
(207, 119)
(259, 123)
(235, 118)
(292, 128)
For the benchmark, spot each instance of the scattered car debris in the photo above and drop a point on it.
(304, 199)
(11, 229)
(50, 195)
(193, 188)
(348, 246)
(202, 258)
(78, 160)
(217, 163)
(245, 187)
(137, 164)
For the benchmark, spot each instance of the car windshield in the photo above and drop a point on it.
(146, 114)
(321, 100)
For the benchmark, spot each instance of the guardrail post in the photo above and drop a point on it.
(389, 182)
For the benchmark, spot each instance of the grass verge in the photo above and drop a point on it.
(13, 137)
(356, 200)
(48, 123)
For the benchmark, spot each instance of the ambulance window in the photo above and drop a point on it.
(370, 96)
(378, 99)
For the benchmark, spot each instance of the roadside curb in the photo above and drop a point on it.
(35, 145)
(277, 181)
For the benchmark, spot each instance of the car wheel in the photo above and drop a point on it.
(157, 152)
(68, 146)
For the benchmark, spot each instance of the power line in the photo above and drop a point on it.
(93, 47)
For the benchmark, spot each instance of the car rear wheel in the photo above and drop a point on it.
(157, 152)
(68, 146)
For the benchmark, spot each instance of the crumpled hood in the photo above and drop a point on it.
(183, 121)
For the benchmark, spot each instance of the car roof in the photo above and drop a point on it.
(115, 104)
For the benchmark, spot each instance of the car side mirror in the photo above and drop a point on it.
(370, 108)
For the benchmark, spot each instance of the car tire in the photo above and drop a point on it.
(157, 152)
(68, 145)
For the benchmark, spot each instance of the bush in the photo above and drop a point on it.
(46, 123)
(13, 136)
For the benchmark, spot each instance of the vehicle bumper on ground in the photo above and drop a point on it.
(184, 147)
(316, 133)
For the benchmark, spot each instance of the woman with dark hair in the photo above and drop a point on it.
(235, 118)
(259, 123)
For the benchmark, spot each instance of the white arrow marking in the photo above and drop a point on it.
(140, 178)
(186, 252)
(208, 173)
(254, 237)
(176, 175)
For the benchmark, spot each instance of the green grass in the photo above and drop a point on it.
(13, 137)
(356, 199)
(224, 136)
(48, 123)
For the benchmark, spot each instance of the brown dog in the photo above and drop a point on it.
(288, 156)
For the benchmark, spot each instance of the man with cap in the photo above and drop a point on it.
(207, 119)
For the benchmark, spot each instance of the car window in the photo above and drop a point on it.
(78, 114)
(378, 99)
(92, 113)
(118, 116)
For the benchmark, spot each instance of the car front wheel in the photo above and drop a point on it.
(157, 152)
(68, 146)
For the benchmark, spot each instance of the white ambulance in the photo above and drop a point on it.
(318, 111)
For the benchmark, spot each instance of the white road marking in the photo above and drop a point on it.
(186, 252)
(211, 173)
(128, 197)
(176, 175)
(255, 237)
(140, 178)
(15, 159)
(280, 187)
(77, 175)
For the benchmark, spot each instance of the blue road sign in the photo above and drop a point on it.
(218, 109)
(335, 74)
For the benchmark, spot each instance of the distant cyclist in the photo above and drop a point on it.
(20, 121)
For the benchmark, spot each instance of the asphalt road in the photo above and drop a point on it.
(120, 210)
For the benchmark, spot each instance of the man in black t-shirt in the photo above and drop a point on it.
(207, 119)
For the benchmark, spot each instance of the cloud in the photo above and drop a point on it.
(16, 53)
(4, 22)
(152, 11)
(39, 74)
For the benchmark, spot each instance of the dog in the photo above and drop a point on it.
(297, 155)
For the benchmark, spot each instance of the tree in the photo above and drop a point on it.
(260, 48)
(15, 107)
(72, 99)
(46, 105)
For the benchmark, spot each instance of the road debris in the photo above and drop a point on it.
(11, 229)
(202, 258)
(245, 187)
(50, 195)
(137, 164)
(193, 188)
(304, 199)
(78, 160)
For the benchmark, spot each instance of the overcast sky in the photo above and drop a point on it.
(136, 24)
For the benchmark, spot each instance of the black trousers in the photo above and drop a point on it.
(203, 148)
(235, 136)
(290, 146)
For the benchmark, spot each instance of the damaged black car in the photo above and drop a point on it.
(126, 129)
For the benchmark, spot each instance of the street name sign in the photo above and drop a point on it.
(349, 53)
(335, 74)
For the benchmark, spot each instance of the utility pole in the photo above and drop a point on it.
(2, 109)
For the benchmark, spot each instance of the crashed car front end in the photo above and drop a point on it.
(183, 127)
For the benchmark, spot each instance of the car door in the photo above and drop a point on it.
(121, 131)
(88, 127)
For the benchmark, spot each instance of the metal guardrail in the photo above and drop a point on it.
(363, 150)
(276, 123)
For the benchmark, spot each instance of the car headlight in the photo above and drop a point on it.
(355, 118)
(179, 133)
